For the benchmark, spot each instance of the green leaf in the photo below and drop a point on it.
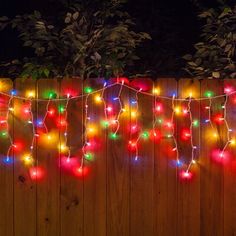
(216, 74)
(46, 72)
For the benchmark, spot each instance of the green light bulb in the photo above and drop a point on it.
(61, 109)
(209, 94)
(88, 90)
(113, 136)
(88, 156)
(145, 135)
(104, 123)
(195, 123)
(3, 134)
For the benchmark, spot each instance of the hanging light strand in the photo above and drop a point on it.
(193, 147)
(9, 110)
(86, 119)
(66, 126)
(229, 130)
(175, 148)
(45, 116)
(31, 121)
(136, 124)
(121, 108)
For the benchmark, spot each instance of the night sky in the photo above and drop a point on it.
(172, 24)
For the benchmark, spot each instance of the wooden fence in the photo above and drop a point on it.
(120, 197)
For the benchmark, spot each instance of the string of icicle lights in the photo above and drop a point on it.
(114, 109)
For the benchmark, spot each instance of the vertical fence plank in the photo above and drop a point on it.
(6, 169)
(211, 176)
(24, 187)
(48, 189)
(165, 185)
(72, 189)
(142, 170)
(95, 182)
(230, 168)
(188, 219)
(118, 170)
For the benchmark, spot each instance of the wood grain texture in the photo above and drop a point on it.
(189, 191)
(119, 196)
(48, 189)
(95, 187)
(118, 175)
(24, 187)
(72, 188)
(142, 172)
(230, 170)
(6, 170)
(165, 175)
(211, 172)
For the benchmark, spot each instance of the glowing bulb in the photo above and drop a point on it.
(36, 173)
(88, 156)
(88, 90)
(228, 90)
(98, 99)
(113, 136)
(156, 91)
(104, 123)
(27, 159)
(62, 147)
(26, 110)
(30, 94)
(109, 109)
(133, 114)
(177, 110)
(3, 134)
(132, 145)
(145, 135)
(195, 123)
(186, 175)
(158, 107)
(169, 124)
(61, 109)
(232, 141)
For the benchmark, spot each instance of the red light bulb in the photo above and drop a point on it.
(158, 108)
(51, 112)
(186, 134)
(218, 119)
(186, 175)
(132, 145)
(36, 173)
(80, 171)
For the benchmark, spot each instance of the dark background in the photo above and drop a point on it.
(172, 24)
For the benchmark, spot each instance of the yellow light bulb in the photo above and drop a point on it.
(91, 130)
(232, 141)
(62, 147)
(98, 99)
(133, 114)
(156, 91)
(27, 159)
(30, 94)
(177, 110)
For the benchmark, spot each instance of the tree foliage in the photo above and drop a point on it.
(215, 55)
(91, 38)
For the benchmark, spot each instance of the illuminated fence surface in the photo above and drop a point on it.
(117, 157)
